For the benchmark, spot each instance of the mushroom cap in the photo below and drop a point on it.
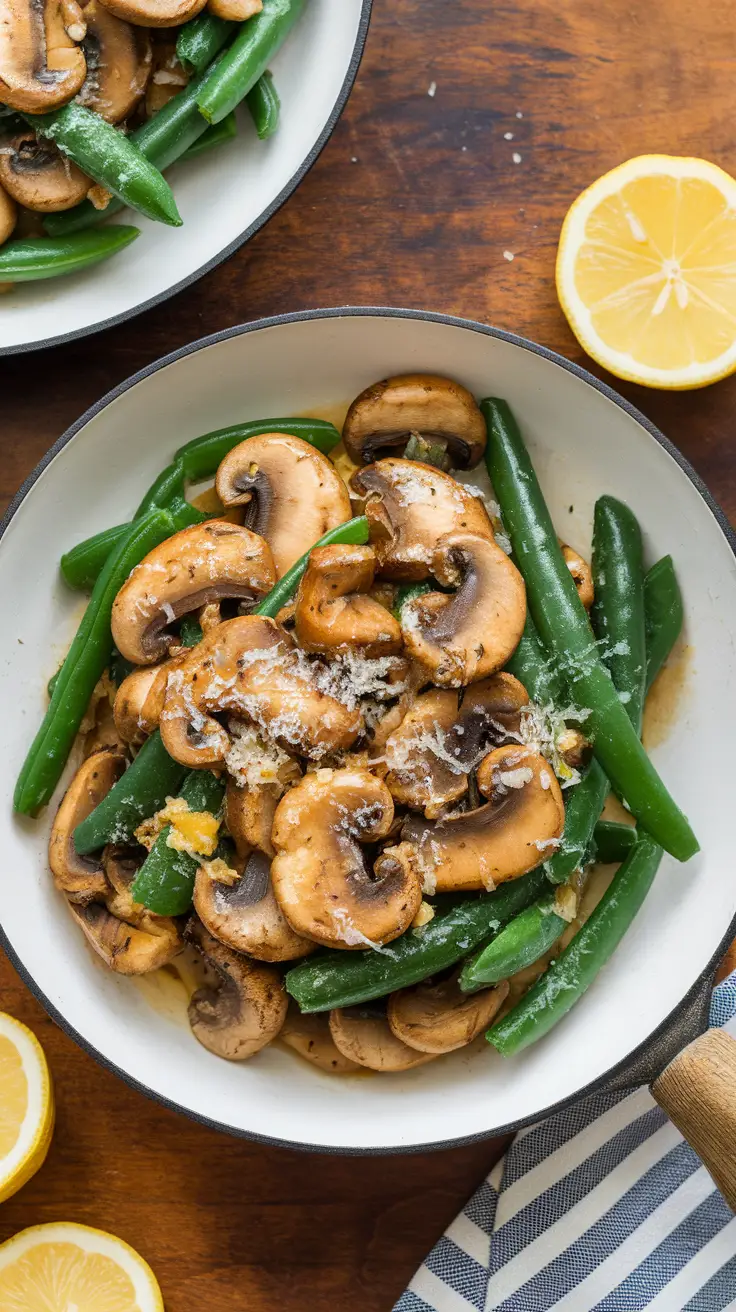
(139, 700)
(438, 743)
(246, 916)
(119, 61)
(386, 414)
(582, 574)
(319, 873)
(42, 66)
(249, 667)
(332, 611)
(439, 1018)
(235, 11)
(365, 1037)
(244, 1010)
(8, 216)
(310, 1037)
(155, 13)
(292, 493)
(471, 633)
(126, 949)
(249, 814)
(195, 566)
(38, 176)
(514, 832)
(81, 878)
(409, 506)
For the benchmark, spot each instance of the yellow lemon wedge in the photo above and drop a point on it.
(26, 1106)
(646, 271)
(60, 1267)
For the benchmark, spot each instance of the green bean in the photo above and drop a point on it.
(564, 982)
(663, 613)
(354, 531)
(583, 805)
(137, 795)
(165, 881)
(202, 456)
(264, 105)
(190, 631)
(33, 258)
(247, 59)
(218, 135)
(111, 159)
(407, 592)
(519, 944)
(343, 979)
(85, 662)
(612, 842)
(81, 565)
(531, 665)
(564, 628)
(618, 610)
(199, 40)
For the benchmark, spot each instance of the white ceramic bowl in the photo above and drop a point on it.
(585, 441)
(224, 196)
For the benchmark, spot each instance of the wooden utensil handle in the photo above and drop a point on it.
(698, 1092)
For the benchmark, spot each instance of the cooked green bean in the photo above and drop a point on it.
(202, 456)
(165, 881)
(532, 665)
(218, 135)
(583, 805)
(407, 592)
(247, 59)
(137, 795)
(564, 628)
(33, 258)
(612, 841)
(354, 531)
(85, 662)
(264, 105)
(519, 944)
(190, 631)
(663, 613)
(618, 610)
(199, 40)
(81, 565)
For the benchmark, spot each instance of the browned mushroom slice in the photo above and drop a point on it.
(82, 878)
(439, 1018)
(310, 1037)
(249, 814)
(8, 216)
(128, 950)
(363, 1035)
(118, 64)
(386, 415)
(235, 11)
(582, 574)
(41, 65)
(332, 611)
(155, 13)
(194, 567)
(320, 876)
(249, 666)
(514, 832)
(36, 175)
(140, 700)
(245, 915)
(469, 634)
(409, 507)
(292, 493)
(246, 1007)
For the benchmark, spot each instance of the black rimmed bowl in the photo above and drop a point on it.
(224, 196)
(585, 440)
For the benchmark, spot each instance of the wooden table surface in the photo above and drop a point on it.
(413, 202)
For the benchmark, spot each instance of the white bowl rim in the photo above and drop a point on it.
(616, 1074)
(101, 325)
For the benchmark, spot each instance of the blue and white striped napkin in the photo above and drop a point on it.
(602, 1208)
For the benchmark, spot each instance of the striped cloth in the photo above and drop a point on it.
(602, 1208)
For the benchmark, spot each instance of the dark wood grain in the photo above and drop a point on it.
(413, 203)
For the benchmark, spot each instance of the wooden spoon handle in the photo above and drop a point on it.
(698, 1092)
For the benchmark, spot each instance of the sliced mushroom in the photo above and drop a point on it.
(471, 633)
(155, 13)
(364, 1036)
(439, 1018)
(320, 875)
(249, 814)
(292, 493)
(8, 216)
(245, 915)
(437, 744)
(250, 668)
(140, 700)
(126, 949)
(244, 1010)
(387, 414)
(119, 62)
(310, 1037)
(235, 11)
(409, 507)
(582, 574)
(82, 878)
(35, 174)
(41, 66)
(197, 565)
(517, 829)
(332, 611)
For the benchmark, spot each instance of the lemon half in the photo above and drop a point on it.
(646, 271)
(26, 1106)
(55, 1268)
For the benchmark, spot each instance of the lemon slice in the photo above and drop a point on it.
(73, 1268)
(26, 1106)
(646, 271)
